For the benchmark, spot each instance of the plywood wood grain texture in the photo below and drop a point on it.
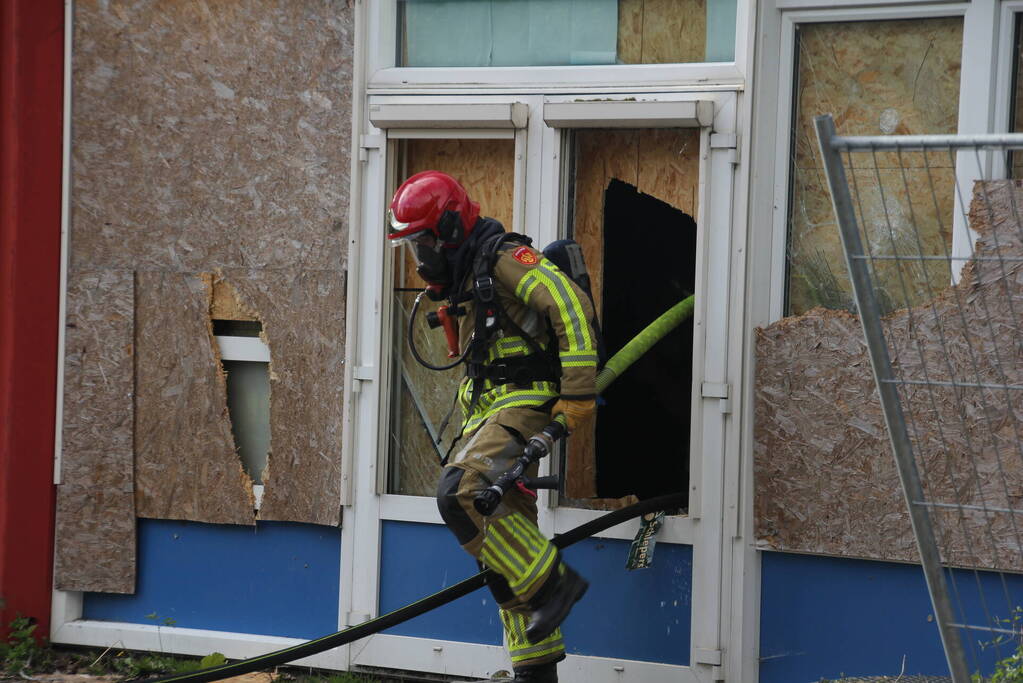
(876, 78)
(186, 466)
(485, 168)
(95, 525)
(303, 320)
(825, 478)
(664, 163)
(662, 31)
(226, 304)
(209, 136)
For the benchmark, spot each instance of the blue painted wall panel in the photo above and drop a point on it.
(642, 615)
(278, 579)
(822, 617)
(417, 560)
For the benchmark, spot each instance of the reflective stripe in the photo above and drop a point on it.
(538, 540)
(501, 398)
(551, 644)
(529, 543)
(526, 285)
(558, 648)
(497, 550)
(566, 299)
(538, 569)
(582, 356)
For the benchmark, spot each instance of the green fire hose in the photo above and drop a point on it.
(628, 355)
(642, 342)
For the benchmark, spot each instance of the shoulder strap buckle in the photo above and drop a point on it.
(484, 286)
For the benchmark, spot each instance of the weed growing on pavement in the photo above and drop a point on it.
(21, 652)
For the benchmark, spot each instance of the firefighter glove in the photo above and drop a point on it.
(578, 414)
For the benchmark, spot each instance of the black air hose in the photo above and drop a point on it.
(403, 614)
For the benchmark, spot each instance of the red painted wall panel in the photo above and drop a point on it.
(31, 109)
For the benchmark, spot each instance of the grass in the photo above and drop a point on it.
(23, 655)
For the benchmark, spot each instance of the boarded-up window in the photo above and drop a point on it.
(421, 398)
(631, 203)
(875, 78)
(564, 32)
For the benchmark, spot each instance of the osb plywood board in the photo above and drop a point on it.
(662, 31)
(876, 78)
(485, 168)
(95, 526)
(664, 163)
(186, 466)
(825, 478)
(226, 303)
(303, 316)
(211, 134)
(661, 162)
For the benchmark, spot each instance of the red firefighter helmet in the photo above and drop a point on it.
(433, 201)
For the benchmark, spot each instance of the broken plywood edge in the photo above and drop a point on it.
(303, 314)
(186, 463)
(224, 305)
(227, 304)
(825, 479)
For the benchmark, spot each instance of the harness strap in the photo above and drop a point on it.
(521, 370)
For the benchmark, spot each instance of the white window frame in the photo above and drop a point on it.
(1003, 95)
(385, 77)
(776, 108)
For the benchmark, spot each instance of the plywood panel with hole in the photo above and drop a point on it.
(204, 136)
(664, 163)
(305, 333)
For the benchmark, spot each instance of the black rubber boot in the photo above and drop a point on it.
(545, 673)
(553, 608)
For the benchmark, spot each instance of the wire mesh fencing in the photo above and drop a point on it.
(934, 248)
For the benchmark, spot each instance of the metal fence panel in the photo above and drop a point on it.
(948, 361)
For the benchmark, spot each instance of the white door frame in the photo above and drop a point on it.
(538, 148)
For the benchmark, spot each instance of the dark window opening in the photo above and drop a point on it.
(643, 422)
(237, 328)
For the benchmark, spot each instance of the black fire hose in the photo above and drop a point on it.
(403, 614)
(538, 446)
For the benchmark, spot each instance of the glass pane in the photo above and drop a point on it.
(875, 78)
(421, 398)
(564, 32)
(248, 404)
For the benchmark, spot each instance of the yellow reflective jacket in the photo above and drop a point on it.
(532, 290)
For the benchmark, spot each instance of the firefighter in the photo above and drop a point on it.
(530, 354)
